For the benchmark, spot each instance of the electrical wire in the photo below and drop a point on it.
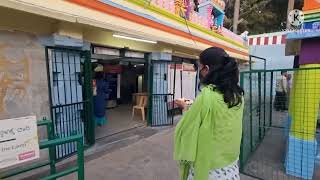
(148, 3)
(191, 36)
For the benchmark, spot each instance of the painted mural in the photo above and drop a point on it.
(23, 76)
(14, 78)
(206, 13)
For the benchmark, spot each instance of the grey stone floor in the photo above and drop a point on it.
(148, 159)
(267, 162)
(119, 119)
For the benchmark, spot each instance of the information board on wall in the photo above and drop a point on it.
(18, 141)
(182, 77)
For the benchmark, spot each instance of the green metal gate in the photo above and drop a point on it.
(268, 149)
(161, 99)
(163, 77)
(69, 76)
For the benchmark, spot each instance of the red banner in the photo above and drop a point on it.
(113, 69)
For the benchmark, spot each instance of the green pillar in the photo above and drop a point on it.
(150, 87)
(89, 124)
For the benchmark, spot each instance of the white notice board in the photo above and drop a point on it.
(18, 141)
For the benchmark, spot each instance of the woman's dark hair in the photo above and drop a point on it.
(223, 73)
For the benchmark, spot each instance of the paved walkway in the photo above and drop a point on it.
(147, 159)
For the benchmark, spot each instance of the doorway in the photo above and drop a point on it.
(127, 85)
(135, 80)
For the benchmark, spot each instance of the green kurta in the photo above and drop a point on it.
(209, 135)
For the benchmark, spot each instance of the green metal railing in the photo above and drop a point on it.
(264, 127)
(51, 144)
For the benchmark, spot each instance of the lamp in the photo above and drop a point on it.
(133, 38)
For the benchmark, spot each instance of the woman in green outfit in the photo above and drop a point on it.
(207, 139)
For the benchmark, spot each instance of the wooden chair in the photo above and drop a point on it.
(142, 104)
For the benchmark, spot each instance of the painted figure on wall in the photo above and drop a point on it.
(206, 13)
(188, 5)
(210, 17)
(180, 8)
(196, 5)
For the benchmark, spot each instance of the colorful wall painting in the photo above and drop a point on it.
(206, 13)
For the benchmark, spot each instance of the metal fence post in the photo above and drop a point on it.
(150, 87)
(80, 160)
(259, 104)
(242, 143)
(271, 98)
(52, 155)
(90, 135)
(264, 103)
(174, 83)
(250, 110)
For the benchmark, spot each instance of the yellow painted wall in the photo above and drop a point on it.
(105, 38)
(65, 11)
(73, 30)
(21, 21)
(14, 20)
(27, 22)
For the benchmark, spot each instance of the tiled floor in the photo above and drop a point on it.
(119, 119)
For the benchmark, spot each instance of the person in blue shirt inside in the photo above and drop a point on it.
(100, 96)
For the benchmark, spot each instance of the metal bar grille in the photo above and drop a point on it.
(68, 104)
(161, 98)
(169, 80)
(280, 124)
